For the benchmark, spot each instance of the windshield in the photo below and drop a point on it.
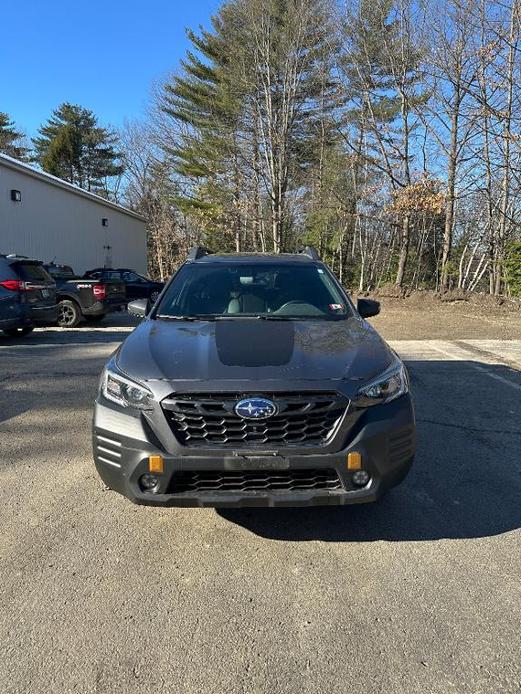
(261, 290)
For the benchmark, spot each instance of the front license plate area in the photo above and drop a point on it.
(258, 463)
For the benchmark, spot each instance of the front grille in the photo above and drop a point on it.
(254, 481)
(303, 419)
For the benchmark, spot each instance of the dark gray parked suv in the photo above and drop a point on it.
(253, 381)
(27, 295)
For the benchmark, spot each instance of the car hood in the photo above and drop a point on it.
(258, 350)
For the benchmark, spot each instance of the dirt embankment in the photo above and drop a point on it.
(421, 315)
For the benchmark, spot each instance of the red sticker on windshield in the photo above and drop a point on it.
(336, 307)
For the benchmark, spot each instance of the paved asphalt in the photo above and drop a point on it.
(419, 593)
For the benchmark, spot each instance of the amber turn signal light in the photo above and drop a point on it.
(156, 464)
(354, 460)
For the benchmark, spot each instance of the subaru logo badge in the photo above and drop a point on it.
(256, 408)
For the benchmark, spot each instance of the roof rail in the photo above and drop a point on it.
(198, 252)
(310, 251)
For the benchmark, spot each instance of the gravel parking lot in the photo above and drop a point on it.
(419, 593)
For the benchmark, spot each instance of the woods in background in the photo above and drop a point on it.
(384, 132)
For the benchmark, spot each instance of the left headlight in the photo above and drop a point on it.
(388, 386)
(125, 392)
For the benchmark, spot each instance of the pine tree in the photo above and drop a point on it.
(243, 112)
(204, 106)
(74, 147)
(11, 140)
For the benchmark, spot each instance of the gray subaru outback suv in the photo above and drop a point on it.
(253, 381)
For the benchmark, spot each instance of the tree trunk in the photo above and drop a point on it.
(507, 134)
(404, 250)
(451, 189)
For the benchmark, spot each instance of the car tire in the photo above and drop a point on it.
(94, 319)
(69, 314)
(19, 332)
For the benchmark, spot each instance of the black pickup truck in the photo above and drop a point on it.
(80, 298)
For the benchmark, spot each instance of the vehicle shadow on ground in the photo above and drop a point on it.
(465, 482)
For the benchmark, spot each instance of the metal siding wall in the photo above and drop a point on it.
(51, 223)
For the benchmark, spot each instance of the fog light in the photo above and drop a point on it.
(148, 482)
(361, 478)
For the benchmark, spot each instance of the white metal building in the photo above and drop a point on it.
(46, 218)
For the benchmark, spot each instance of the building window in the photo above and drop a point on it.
(104, 222)
(16, 196)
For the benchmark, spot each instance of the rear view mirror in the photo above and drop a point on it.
(138, 308)
(368, 308)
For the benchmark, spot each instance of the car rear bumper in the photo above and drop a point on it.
(385, 438)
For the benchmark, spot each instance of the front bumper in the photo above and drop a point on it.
(384, 436)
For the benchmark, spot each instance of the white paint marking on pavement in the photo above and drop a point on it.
(57, 345)
(507, 350)
(496, 376)
(459, 354)
(112, 328)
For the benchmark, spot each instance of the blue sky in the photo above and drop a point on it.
(102, 55)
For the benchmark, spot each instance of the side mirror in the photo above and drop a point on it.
(138, 308)
(368, 307)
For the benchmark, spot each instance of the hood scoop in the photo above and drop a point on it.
(254, 343)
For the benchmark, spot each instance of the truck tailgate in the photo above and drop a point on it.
(115, 290)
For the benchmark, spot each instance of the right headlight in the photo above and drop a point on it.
(124, 392)
(388, 386)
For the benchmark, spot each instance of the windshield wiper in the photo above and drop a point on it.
(263, 316)
(163, 316)
(241, 316)
(224, 316)
(302, 318)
